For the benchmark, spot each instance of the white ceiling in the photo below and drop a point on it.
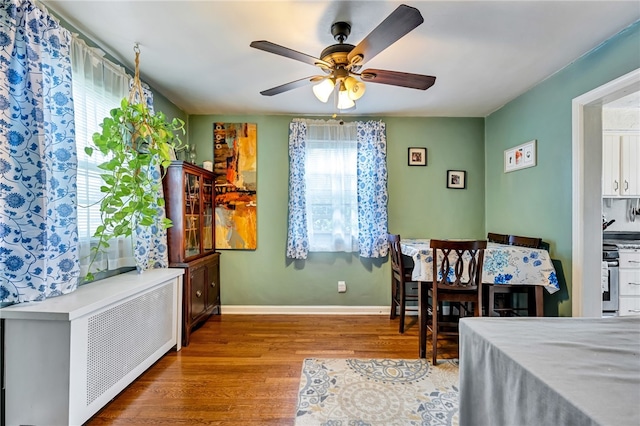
(483, 53)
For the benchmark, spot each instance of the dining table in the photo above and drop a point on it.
(503, 265)
(550, 371)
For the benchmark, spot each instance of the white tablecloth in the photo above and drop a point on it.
(503, 264)
(550, 371)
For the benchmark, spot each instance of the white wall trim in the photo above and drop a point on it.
(303, 310)
(586, 245)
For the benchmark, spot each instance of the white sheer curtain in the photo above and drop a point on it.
(331, 182)
(98, 86)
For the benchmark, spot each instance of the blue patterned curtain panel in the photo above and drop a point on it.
(372, 189)
(38, 222)
(151, 249)
(297, 238)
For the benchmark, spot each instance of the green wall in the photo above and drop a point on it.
(160, 103)
(537, 201)
(420, 205)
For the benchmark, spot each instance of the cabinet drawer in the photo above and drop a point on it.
(629, 258)
(629, 282)
(629, 305)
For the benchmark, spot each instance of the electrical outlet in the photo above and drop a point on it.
(342, 286)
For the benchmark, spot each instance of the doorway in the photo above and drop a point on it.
(587, 191)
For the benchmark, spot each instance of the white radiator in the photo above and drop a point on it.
(68, 356)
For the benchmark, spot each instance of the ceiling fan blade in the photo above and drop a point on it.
(395, 78)
(267, 46)
(288, 86)
(393, 28)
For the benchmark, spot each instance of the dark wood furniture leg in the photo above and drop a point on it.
(491, 299)
(539, 300)
(423, 313)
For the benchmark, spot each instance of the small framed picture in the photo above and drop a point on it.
(520, 157)
(417, 156)
(456, 179)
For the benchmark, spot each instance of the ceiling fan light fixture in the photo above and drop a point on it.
(344, 101)
(355, 89)
(324, 89)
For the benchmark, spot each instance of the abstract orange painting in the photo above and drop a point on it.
(235, 169)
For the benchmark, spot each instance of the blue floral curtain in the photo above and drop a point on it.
(372, 189)
(297, 238)
(151, 249)
(38, 225)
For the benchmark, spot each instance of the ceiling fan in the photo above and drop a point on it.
(342, 62)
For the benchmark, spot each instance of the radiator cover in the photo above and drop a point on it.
(66, 357)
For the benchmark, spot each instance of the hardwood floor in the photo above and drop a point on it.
(245, 370)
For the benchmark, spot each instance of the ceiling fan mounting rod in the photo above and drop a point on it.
(340, 31)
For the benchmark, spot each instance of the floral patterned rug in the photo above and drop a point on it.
(385, 392)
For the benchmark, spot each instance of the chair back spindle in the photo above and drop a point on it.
(459, 276)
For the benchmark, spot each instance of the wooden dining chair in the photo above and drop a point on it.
(515, 240)
(402, 288)
(497, 238)
(457, 279)
(504, 294)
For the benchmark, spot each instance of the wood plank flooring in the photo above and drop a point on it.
(245, 369)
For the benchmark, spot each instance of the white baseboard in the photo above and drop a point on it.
(303, 310)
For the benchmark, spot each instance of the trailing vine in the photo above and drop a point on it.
(138, 144)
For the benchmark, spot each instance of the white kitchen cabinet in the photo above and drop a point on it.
(620, 161)
(629, 282)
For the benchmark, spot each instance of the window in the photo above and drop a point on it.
(332, 199)
(337, 188)
(98, 86)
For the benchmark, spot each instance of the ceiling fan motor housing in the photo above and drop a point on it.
(336, 54)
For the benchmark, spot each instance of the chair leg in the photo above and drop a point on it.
(423, 313)
(394, 300)
(403, 305)
(434, 334)
(492, 300)
(539, 301)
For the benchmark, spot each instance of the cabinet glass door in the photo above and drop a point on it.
(207, 214)
(192, 216)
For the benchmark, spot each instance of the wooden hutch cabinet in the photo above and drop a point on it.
(189, 202)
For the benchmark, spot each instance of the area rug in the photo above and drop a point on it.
(377, 392)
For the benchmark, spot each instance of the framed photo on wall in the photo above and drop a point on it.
(456, 179)
(520, 157)
(417, 156)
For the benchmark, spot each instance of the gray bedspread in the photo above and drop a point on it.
(550, 371)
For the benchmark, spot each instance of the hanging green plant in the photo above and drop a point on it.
(137, 143)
